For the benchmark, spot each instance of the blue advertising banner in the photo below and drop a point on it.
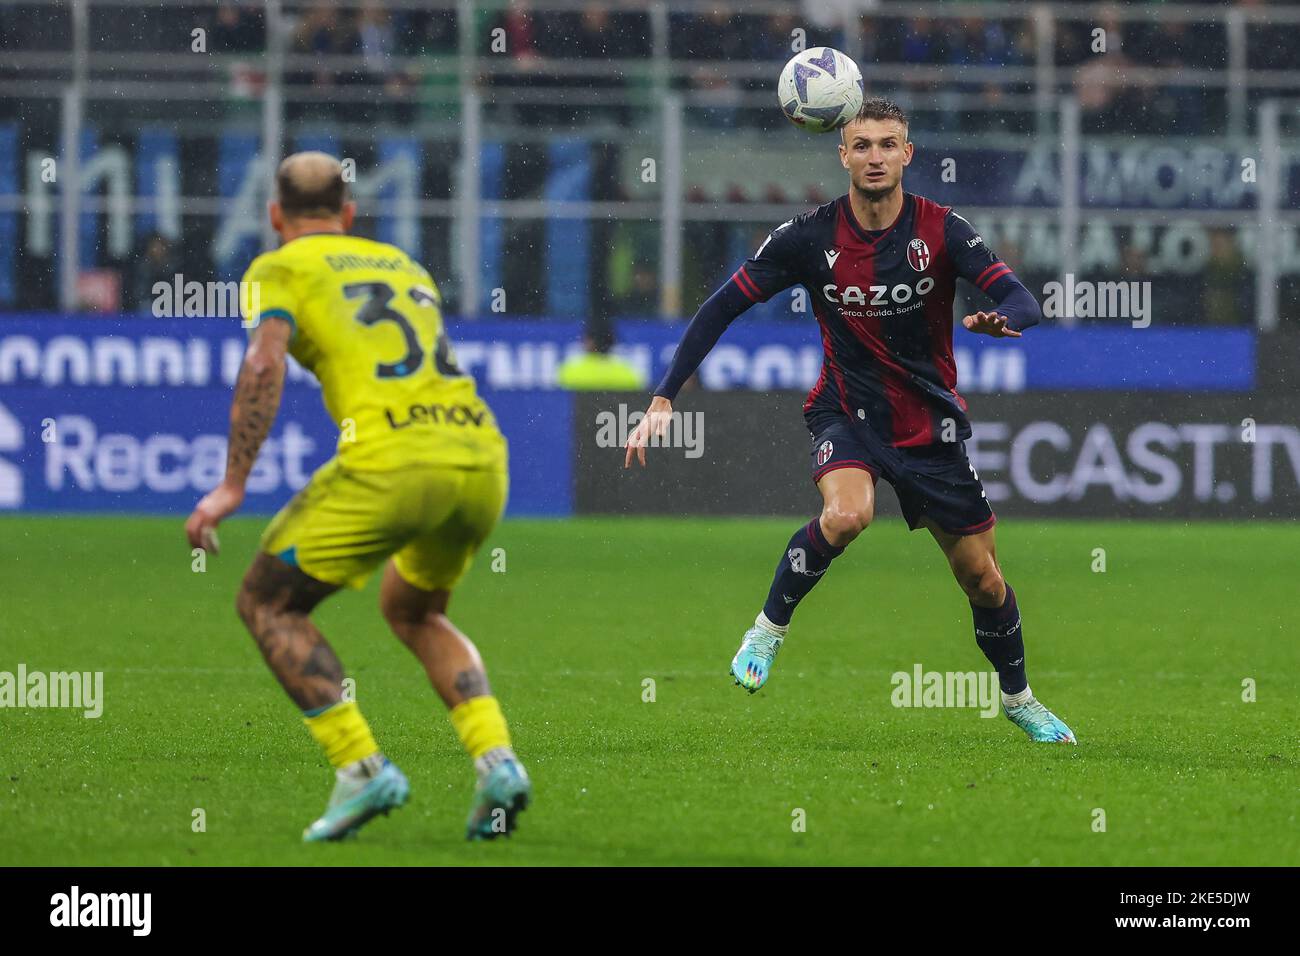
(130, 414)
(511, 354)
(158, 450)
(788, 354)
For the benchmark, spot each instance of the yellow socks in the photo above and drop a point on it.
(480, 725)
(344, 734)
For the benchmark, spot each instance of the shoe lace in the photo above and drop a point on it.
(1039, 714)
(762, 644)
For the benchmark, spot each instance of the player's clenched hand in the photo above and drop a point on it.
(219, 503)
(654, 424)
(990, 323)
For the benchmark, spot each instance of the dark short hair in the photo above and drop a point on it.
(601, 333)
(320, 199)
(879, 108)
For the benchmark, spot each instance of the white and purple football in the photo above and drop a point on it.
(820, 89)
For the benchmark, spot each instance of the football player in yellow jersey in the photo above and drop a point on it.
(418, 481)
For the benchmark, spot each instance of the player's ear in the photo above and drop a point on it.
(348, 214)
(844, 153)
(907, 153)
(277, 215)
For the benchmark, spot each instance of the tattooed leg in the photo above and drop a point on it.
(419, 619)
(274, 603)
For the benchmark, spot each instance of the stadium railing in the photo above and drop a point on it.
(445, 139)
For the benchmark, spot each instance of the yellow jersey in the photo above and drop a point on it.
(367, 323)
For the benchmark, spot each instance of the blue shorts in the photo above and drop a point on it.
(934, 481)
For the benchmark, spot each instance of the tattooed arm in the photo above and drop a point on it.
(257, 399)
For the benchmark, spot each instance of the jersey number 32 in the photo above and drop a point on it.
(377, 308)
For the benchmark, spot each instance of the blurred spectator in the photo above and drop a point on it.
(599, 35)
(427, 32)
(773, 40)
(705, 43)
(596, 368)
(1269, 46)
(989, 44)
(1229, 287)
(1108, 102)
(322, 32)
(1171, 297)
(632, 277)
(523, 33)
(157, 261)
(1148, 44)
(236, 28)
(377, 41)
(433, 35)
(520, 32)
(922, 42)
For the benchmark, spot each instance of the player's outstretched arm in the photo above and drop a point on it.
(712, 319)
(990, 323)
(1017, 309)
(257, 400)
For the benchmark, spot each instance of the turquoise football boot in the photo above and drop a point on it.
(355, 801)
(1039, 723)
(500, 797)
(753, 662)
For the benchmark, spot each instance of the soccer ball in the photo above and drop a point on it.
(820, 89)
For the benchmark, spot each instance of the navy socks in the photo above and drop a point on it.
(808, 556)
(997, 632)
(806, 559)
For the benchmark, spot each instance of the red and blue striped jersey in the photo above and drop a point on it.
(884, 303)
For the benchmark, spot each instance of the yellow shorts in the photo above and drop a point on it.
(429, 519)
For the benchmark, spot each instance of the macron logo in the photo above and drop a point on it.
(831, 256)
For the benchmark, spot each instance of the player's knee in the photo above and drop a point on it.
(404, 616)
(983, 583)
(407, 608)
(843, 524)
(394, 612)
(399, 617)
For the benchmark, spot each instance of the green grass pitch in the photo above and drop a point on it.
(1145, 661)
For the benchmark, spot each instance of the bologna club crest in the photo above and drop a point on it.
(824, 453)
(918, 255)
